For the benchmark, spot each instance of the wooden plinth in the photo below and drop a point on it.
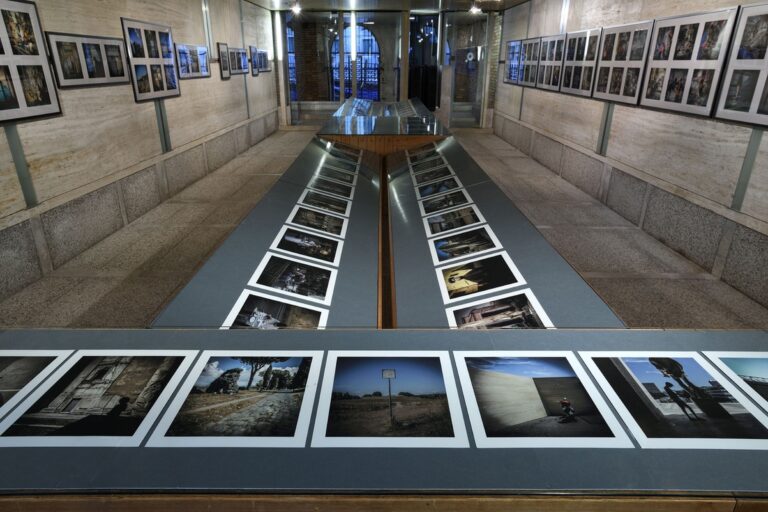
(384, 144)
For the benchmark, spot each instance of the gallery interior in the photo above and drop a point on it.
(383, 255)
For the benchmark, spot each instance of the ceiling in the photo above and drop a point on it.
(388, 5)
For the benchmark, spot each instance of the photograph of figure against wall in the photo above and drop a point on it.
(443, 202)
(534, 399)
(686, 40)
(451, 220)
(741, 90)
(637, 51)
(295, 277)
(462, 244)
(517, 310)
(701, 85)
(318, 221)
(438, 187)
(711, 40)
(676, 85)
(325, 202)
(754, 38)
(663, 43)
(21, 32)
(308, 245)
(258, 311)
(33, 83)
(631, 82)
(17, 371)
(749, 370)
(608, 44)
(69, 58)
(477, 276)
(94, 60)
(677, 400)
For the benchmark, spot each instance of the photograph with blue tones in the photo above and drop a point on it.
(753, 371)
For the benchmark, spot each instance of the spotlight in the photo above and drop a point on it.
(296, 9)
(475, 10)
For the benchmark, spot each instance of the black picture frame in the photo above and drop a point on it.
(223, 51)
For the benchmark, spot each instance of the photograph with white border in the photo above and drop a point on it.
(325, 202)
(318, 221)
(21, 371)
(427, 164)
(427, 154)
(330, 173)
(438, 186)
(332, 188)
(449, 200)
(255, 310)
(354, 408)
(477, 276)
(297, 278)
(98, 398)
(517, 310)
(450, 221)
(749, 370)
(246, 399)
(445, 171)
(429, 146)
(677, 400)
(469, 242)
(535, 399)
(307, 245)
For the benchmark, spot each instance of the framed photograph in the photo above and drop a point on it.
(513, 67)
(194, 61)
(516, 310)
(243, 399)
(21, 371)
(438, 186)
(472, 241)
(430, 147)
(151, 60)
(308, 245)
(749, 370)
(223, 50)
(334, 188)
(264, 62)
(444, 202)
(255, 310)
(317, 221)
(581, 61)
(452, 220)
(26, 83)
(427, 164)
(238, 61)
(414, 158)
(686, 58)
(98, 398)
(477, 276)
(551, 62)
(81, 61)
(254, 58)
(529, 61)
(325, 202)
(295, 278)
(432, 175)
(677, 400)
(621, 65)
(332, 174)
(535, 399)
(744, 95)
(389, 399)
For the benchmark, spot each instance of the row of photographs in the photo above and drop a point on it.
(468, 257)
(675, 63)
(514, 399)
(303, 259)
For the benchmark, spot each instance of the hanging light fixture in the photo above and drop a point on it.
(296, 8)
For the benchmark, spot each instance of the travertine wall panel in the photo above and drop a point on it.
(257, 27)
(11, 198)
(545, 17)
(570, 117)
(515, 26)
(756, 199)
(697, 154)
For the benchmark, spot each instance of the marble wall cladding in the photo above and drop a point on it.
(700, 155)
(570, 117)
(545, 17)
(583, 171)
(20, 265)
(257, 29)
(508, 99)
(11, 198)
(548, 152)
(141, 192)
(185, 168)
(517, 135)
(515, 23)
(745, 267)
(756, 199)
(626, 195)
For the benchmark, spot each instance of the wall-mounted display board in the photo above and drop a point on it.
(26, 83)
(580, 61)
(550, 62)
(87, 60)
(513, 68)
(263, 60)
(194, 61)
(621, 64)
(254, 56)
(152, 60)
(238, 61)
(685, 62)
(744, 95)
(223, 51)
(529, 61)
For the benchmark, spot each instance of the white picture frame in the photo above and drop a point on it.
(304, 200)
(485, 227)
(580, 58)
(325, 299)
(474, 211)
(439, 271)
(294, 213)
(529, 295)
(337, 255)
(550, 66)
(427, 203)
(633, 63)
(529, 61)
(151, 59)
(247, 294)
(717, 358)
(194, 61)
(317, 183)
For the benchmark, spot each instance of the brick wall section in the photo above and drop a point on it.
(311, 61)
(494, 46)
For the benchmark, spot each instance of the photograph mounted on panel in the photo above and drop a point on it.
(27, 88)
(444, 202)
(447, 222)
(243, 399)
(432, 175)
(88, 60)
(477, 276)
(535, 399)
(315, 220)
(439, 186)
(238, 61)
(98, 398)
(308, 245)
(749, 370)
(265, 312)
(331, 187)
(744, 95)
(516, 310)
(223, 51)
(581, 55)
(513, 66)
(619, 70)
(325, 202)
(332, 174)
(552, 53)
(295, 277)
(677, 400)
(151, 59)
(21, 371)
(529, 61)
(264, 62)
(389, 399)
(687, 54)
(462, 244)
(194, 61)
(254, 56)
(427, 164)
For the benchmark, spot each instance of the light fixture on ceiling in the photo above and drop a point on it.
(296, 8)
(475, 10)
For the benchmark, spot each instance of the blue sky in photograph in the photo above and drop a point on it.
(533, 367)
(218, 365)
(747, 366)
(362, 375)
(646, 372)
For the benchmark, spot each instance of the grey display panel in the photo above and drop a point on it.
(564, 296)
(426, 470)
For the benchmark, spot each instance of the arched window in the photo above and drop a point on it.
(368, 64)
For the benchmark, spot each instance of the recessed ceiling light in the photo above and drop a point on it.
(296, 9)
(475, 10)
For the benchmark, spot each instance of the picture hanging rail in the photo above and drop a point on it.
(623, 52)
(152, 60)
(88, 60)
